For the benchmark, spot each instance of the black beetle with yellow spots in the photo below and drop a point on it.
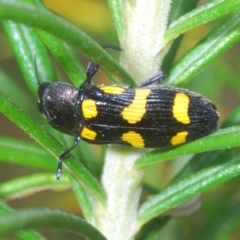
(146, 117)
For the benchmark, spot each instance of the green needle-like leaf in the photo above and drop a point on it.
(24, 186)
(214, 44)
(63, 29)
(178, 8)
(48, 218)
(201, 15)
(25, 153)
(50, 144)
(215, 141)
(66, 56)
(191, 186)
(27, 45)
(64, 53)
(22, 234)
(116, 8)
(82, 198)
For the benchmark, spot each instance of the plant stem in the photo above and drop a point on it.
(144, 25)
(117, 219)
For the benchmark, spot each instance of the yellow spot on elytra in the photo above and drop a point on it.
(180, 108)
(112, 89)
(89, 108)
(135, 139)
(179, 138)
(135, 111)
(88, 133)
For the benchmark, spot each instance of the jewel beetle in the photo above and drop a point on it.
(149, 116)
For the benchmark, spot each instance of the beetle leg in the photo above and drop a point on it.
(157, 78)
(63, 155)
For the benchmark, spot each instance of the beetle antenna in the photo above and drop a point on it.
(36, 73)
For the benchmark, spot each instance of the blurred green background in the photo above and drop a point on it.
(219, 82)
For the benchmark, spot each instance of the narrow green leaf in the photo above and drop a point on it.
(116, 9)
(34, 130)
(82, 198)
(50, 144)
(198, 162)
(201, 15)
(214, 44)
(23, 186)
(64, 54)
(68, 32)
(178, 8)
(191, 186)
(25, 153)
(15, 151)
(30, 235)
(48, 218)
(222, 139)
(23, 234)
(26, 45)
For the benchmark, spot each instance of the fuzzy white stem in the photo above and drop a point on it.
(117, 219)
(145, 25)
